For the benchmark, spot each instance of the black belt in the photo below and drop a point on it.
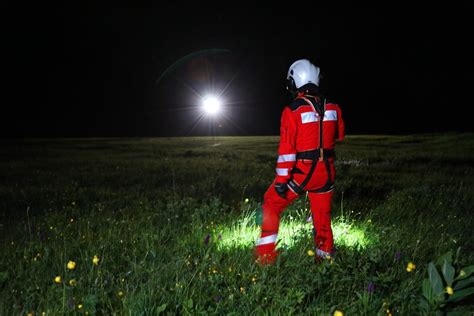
(315, 154)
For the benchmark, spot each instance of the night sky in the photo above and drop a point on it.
(92, 71)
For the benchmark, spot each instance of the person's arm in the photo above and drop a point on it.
(341, 133)
(286, 151)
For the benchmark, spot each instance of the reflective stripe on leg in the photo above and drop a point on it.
(267, 240)
(322, 254)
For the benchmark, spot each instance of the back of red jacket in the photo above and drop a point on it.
(308, 123)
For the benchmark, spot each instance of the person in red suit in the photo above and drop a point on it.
(310, 126)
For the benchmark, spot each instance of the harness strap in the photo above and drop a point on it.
(317, 155)
(328, 186)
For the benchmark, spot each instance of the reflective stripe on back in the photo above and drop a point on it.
(308, 117)
(330, 115)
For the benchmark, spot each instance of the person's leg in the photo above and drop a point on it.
(272, 208)
(321, 213)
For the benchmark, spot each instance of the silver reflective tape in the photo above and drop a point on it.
(285, 158)
(267, 240)
(330, 115)
(282, 171)
(308, 117)
(322, 254)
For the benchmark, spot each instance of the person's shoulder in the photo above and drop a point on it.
(331, 102)
(296, 103)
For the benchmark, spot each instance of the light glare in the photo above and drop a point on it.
(211, 104)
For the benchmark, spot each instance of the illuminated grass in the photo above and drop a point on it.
(164, 216)
(244, 233)
(350, 235)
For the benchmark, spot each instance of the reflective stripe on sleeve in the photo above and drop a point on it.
(267, 240)
(288, 157)
(282, 171)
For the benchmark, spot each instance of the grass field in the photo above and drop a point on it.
(166, 225)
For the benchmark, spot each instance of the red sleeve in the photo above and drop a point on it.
(287, 148)
(341, 133)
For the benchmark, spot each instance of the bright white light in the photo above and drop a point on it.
(211, 104)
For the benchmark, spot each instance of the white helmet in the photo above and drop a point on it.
(302, 72)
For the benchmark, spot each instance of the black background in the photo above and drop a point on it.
(84, 69)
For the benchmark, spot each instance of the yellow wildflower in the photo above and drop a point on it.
(462, 273)
(246, 200)
(72, 282)
(338, 313)
(120, 293)
(79, 306)
(449, 290)
(411, 266)
(310, 253)
(58, 279)
(95, 260)
(71, 265)
(330, 259)
(242, 289)
(30, 314)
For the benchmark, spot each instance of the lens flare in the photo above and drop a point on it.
(211, 104)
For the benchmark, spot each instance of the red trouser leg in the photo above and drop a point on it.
(321, 211)
(272, 207)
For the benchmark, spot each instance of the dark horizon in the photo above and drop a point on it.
(92, 71)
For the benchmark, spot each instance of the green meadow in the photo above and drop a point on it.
(149, 226)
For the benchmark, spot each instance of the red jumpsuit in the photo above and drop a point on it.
(309, 128)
